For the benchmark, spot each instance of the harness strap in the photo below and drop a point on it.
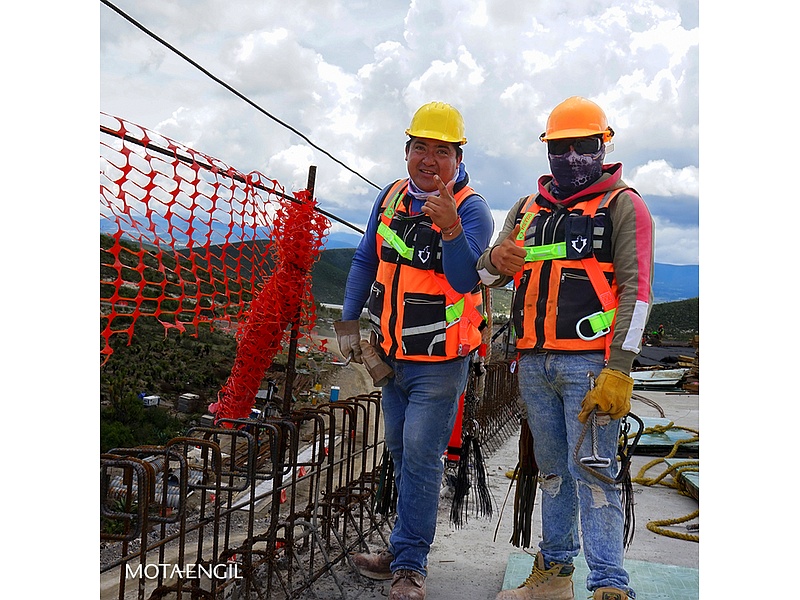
(460, 307)
(394, 241)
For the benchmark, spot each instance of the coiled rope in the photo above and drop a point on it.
(676, 469)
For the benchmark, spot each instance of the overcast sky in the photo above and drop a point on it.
(349, 74)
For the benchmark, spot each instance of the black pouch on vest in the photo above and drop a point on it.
(425, 245)
(578, 235)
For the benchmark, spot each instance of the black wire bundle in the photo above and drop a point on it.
(480, 487)
(386, 494)
(628, 510)
(624, 452)
(470, 478)
(471, 467)
(526, 474)
(460, 505)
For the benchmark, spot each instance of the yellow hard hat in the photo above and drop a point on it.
(577, 117)
(438, 121)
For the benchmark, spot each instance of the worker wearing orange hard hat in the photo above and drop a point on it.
(580, 252)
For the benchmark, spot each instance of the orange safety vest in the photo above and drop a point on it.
(566, 294)
(414, 311)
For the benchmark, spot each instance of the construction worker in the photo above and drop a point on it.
(415, 270)
(580, 251)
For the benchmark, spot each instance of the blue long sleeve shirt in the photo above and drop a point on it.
(459, 255)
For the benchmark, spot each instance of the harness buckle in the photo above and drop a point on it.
(599, 322)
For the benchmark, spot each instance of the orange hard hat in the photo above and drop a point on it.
(577, 117)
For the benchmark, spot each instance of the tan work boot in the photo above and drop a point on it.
(374, 565)
(554, 583)
(609, 593)
(407, 585)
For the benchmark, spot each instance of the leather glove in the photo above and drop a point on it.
(348, 334)
(611, 394)
(377, 369)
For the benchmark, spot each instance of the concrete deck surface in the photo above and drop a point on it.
(477, 561)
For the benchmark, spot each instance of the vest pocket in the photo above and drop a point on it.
(424, 325)
(375, 307)
(578, 231)
(576, 299)
(518, 308)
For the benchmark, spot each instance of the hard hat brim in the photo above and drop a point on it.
(577, 133)
(570, 133)
(435, 135)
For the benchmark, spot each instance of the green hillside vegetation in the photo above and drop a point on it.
(330, 274)
(165, 365)
(681, 319)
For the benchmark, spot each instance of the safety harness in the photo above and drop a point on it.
(460, 308)
(600, 322)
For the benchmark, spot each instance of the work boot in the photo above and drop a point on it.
(554, 583)
(407, 585)
(374, 565)
(609, 593)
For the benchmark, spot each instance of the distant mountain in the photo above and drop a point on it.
(670, 283)
(675, 282)
(342, 240)
(330, 274)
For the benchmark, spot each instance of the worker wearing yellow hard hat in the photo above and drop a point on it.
(414, 270)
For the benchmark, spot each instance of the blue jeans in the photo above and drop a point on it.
(420, 404)
(553, 387)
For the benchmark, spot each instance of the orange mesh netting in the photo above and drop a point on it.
(187, 239)
(274, 307)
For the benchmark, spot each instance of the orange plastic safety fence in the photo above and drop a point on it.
(187, 239)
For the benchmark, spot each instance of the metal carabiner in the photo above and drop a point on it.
(597, 334)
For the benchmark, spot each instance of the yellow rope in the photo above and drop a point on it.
(654, 526)
(676, 469)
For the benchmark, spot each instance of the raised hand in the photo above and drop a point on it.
(507, 257)
(442, 208)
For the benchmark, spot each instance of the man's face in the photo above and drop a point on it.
(426, 157)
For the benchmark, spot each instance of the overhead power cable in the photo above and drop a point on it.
(232, 90)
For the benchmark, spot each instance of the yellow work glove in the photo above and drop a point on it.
(611, 394)
(348, 334)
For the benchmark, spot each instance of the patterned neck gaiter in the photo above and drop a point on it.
(573, 172)
(418, 194)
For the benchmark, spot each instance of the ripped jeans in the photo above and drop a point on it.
(553, 387)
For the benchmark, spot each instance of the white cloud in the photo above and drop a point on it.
(657, 177)
(349, 75)
(292, 163)
(676, 245)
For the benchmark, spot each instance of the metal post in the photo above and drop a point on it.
(292, 358)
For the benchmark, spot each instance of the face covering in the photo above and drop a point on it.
(418, 194)
(572, 172)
